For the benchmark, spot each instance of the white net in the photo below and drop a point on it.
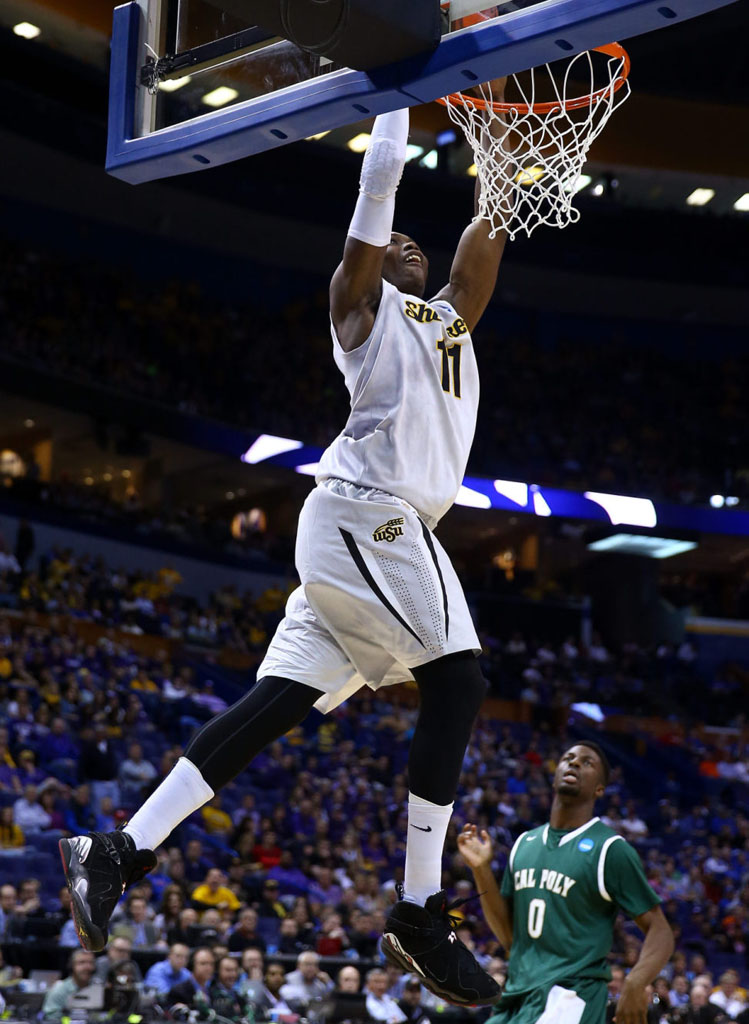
(529, 153)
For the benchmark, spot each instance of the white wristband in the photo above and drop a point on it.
(380, 175)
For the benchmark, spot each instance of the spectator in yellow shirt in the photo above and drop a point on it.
(213, 893)
(216, 821)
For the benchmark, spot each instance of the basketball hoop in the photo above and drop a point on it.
(529, 153)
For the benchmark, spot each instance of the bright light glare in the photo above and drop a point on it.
(472, 171)
(646, 546)
(268, 445)
(359, 142)
(320, 135)
(717, 500)
(412, 151)
(621, 508)
(308, 469)
(430, 160)
(700, 196)
(578, 184)
(26, 30)
(540, 504)
(514, 490)
(529, 175)
(742, 203)
(219, 97)
(597, 190)
(732, 500)
(172, 84)
(592, 711)
(472, 499)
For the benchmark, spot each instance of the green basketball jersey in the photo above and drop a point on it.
(565, 889)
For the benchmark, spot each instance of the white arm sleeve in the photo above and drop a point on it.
(380, 175)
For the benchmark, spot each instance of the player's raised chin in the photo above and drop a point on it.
(405, 265)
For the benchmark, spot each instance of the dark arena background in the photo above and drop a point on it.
(166, 387)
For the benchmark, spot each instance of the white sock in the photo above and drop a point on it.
(183, 791)
(427, 827)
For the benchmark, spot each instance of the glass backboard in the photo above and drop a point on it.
(195, 84)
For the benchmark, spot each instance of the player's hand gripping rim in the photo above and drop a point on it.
(475, 847)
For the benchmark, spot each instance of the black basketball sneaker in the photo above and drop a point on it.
(98, 868)
(422, 940)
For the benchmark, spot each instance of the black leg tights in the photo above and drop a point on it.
(451, 690)
(224, 747)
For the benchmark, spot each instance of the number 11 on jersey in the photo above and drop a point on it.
(450, 361)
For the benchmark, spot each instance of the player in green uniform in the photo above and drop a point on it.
(561, 891)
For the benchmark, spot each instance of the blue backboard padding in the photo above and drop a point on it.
(519, 40)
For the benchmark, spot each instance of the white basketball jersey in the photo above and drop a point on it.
(414, 389)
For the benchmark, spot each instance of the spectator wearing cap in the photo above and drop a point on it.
(245, 933)
(269, 904)
(410, 1001)
(380, 1005)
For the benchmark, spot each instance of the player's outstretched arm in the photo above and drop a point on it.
(356, 286)
(473, 275)
(476, 849)
(656, 951)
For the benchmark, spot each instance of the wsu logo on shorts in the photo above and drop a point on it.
(390, 530)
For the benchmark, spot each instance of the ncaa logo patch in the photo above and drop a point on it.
(586, 845)
(390, 530)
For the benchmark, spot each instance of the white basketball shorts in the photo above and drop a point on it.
(378, 596)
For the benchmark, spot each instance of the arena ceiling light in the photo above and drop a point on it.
(430, 160)
(472, 171)
(742, 203)
(514, 490)
(412, 151)
(472, 499)
(219, 97)
(644, 545)
(172, 84)
(315, 138)
(359, 142)
(268, 445)
(700, 196)
(622, 508)
(307, 469)
(580, 182)
(26, 30)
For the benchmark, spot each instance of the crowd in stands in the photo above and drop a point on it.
(615, 414)
(550, 677)
(277, 870)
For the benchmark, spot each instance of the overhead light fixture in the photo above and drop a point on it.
(430, 160)
(172, 84)
(359, 142)
(717, 501)
(700, 196)
(742, 203)
(643, 544)
(308, 469)
(472, 499)
(732, 501)
(220, 97)
(268, 445)
(26, 30)
(446, 137)
(320, 135)
(530, 175)
(412, 151)
(472, 171)
(623, 508)
(598, 189)
(514, 490)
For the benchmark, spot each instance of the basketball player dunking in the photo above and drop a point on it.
(379, 602)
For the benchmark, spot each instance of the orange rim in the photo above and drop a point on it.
(610, 49)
